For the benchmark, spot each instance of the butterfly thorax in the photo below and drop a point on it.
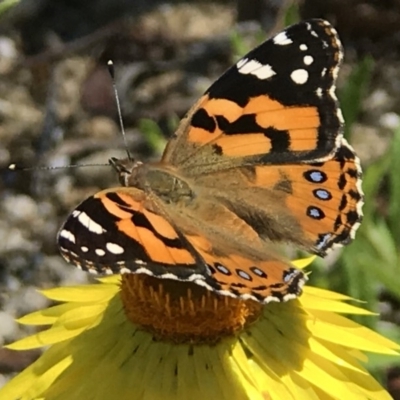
(153, 178)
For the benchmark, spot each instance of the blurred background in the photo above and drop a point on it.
(57, 108)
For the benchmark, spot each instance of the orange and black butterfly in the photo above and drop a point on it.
(258, 161)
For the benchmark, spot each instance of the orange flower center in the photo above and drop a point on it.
(182, 312)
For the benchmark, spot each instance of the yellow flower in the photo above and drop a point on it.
(186, 345)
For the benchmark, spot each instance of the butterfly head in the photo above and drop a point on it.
(127, 170)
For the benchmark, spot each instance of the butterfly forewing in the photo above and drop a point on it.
(275, 105)
(114, 232)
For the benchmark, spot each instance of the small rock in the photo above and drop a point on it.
(14, 239)
(26, 300)
(390, 120)
(8, 327)
(15, 361)
(20, 208)
(8, 55)
(99, 128)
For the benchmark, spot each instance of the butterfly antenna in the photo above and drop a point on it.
(15, 167)
(110, 66)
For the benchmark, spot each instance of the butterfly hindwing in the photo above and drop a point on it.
(327, 200)
(275, 105)
(320, 203)
(315, 206)
(246, 276)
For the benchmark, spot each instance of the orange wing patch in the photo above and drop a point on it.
(257, 128)
(238, 275)
(262, 128)
(127, 234)
(324, 198)
(274, 106)
(152, 231)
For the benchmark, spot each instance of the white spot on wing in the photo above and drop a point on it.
(340, 115)
(201, 282)
(241, 62)
(93, 271)
(143, 271)
(272, 299)
(264, 72)
(84, 249)
(195, 278)
(360, 203)
(258, 272)
(316, 176)
(281, 39)
(322, 194)
(324, 241)
(114, 248)
(223, 269)
(87, 222)
(291, 275)
(100, 252)
(314, 212)
(168, 275)
(255, 68)
(67, 235)
(286, 297)
(299, 76)
(303, 47)
(308, 60)
(244, 275)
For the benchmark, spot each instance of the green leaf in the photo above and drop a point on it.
(394, 182)
(354, 91)
(5, 5)
(371, 182)
(292, 14)
(374, 255)
(153, 134)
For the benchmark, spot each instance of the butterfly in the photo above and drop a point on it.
(259, 161)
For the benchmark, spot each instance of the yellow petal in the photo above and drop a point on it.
(335, 354)
(44, 338)
(85, 293)
(303, 262)
(112, 279)
(49, 315)
(326, 294)
(44, 381)
(317, 303)
(337, 329)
